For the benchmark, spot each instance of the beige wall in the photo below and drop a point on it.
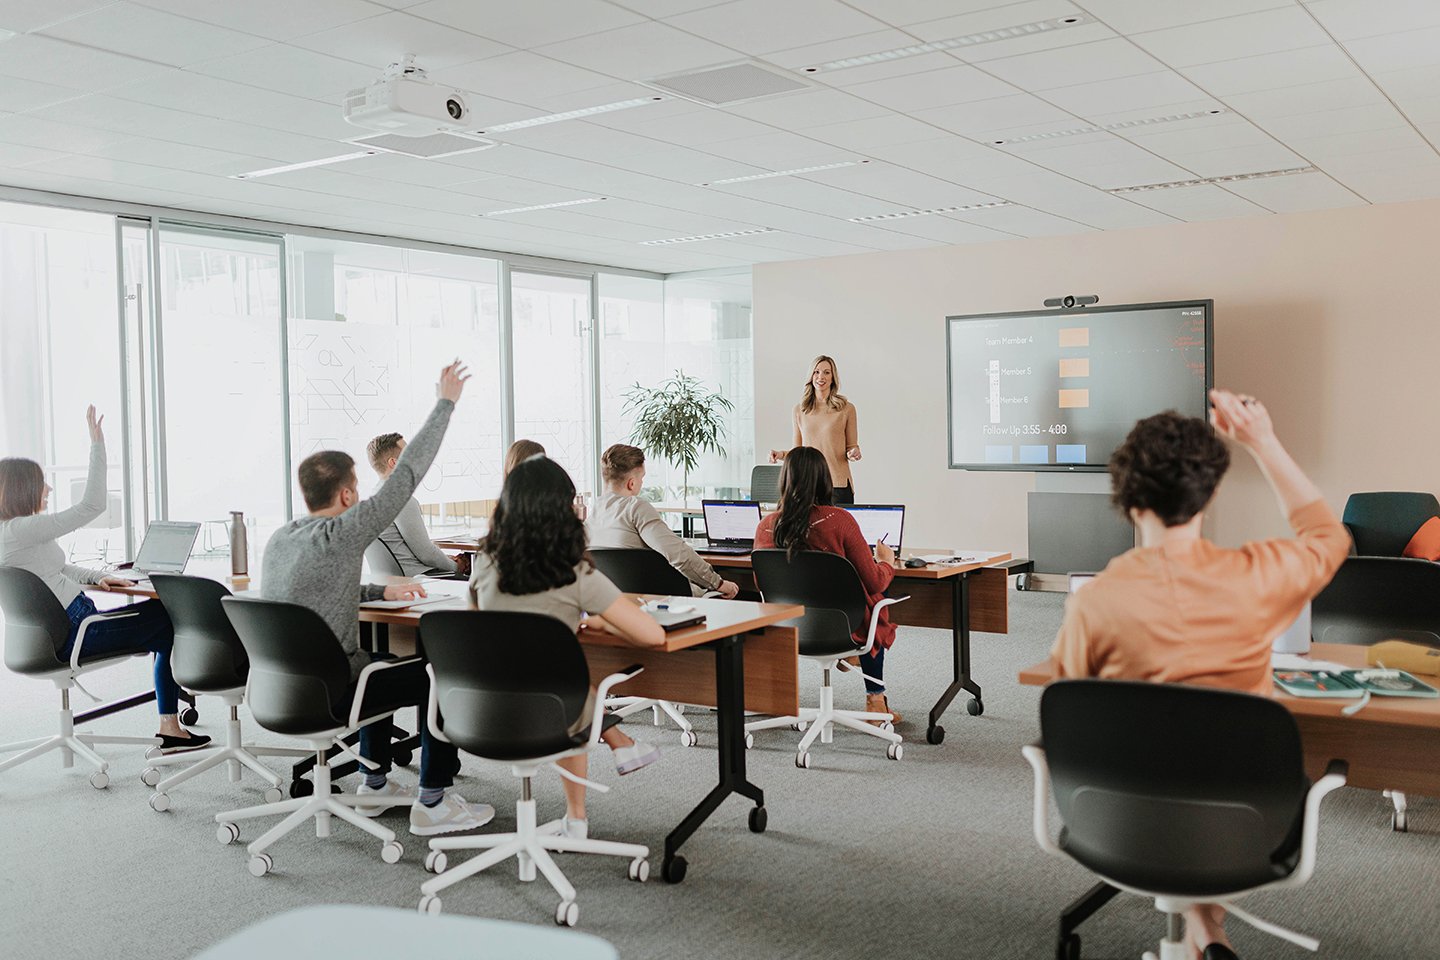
(1332, 318)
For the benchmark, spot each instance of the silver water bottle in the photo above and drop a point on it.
(239, 547)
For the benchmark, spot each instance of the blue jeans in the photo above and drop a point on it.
(872, 664)
(149, 630)
(406, 685)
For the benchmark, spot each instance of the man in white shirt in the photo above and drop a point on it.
(407, 539)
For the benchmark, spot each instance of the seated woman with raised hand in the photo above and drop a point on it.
(1180, 609)
(533, 561)
(622, 519)
(808, 520)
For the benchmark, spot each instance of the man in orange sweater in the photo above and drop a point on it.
(1180, 609)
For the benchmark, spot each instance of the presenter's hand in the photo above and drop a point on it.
(853, 453)
(404, 591)
(729, 590)
(95, 425)
(885, 553)
(1242, 418)
(452, 382)
(777, 455)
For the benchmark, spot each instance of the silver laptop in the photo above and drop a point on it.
(166, 547)
(879, 521)
(730, 525)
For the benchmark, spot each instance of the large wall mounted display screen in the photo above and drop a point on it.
(1060, 389)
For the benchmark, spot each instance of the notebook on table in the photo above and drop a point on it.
(674, 615)
(730, 525)
(1352, 683)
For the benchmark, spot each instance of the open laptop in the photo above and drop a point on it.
(730, 525)
(879, 521)
(166, 547)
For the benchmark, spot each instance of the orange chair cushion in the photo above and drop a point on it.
(1425, 545)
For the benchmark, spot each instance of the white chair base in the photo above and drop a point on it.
(1173, 946)
(235, 753)
(70, 744)
(822, 722)
(532, 846)
(320, 806)
(1399, 821)
(629, 706)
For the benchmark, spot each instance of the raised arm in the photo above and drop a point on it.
(412, 530)
(659, 537)
(1245, 420)
(43, 527)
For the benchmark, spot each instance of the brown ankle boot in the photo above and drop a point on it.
(876, 703)
(846, 664)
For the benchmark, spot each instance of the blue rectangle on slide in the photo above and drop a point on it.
(1069, 453)
(1034, 453)
(1001, 453)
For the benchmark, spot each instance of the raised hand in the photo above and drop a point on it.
(95, 425)
(777, 455)
(452, 382)
(1242, 418)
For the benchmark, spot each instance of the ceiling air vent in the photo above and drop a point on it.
(727, 85)
(433, 147)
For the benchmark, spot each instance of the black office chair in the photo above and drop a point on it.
(513, 687)
(300, 686)
(641, 570)
(1371, 599)
(209, 659)
(834, 600)
(382, 560)
(1185, 795)
(765, 483)
(36, 629)
(1382, 523)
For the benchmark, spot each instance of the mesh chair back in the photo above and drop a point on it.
(1172, 789)
(508, 685)
(381, 560)
(640, 571)
(1379, 598)
(1383, 523)
(765, 483)
(36, 626)
(208, 656)
(829, 588)
(299, 676)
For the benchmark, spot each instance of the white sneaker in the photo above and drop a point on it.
(575, 829)
(634, 757)
(450, 815)
(392, 793)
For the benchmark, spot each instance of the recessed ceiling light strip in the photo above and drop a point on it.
(1122, 125)
(954, 43)
(901, 214)
(542, 206)
(1203, 181)
(706, 236)
(782, 173)
(569, 115)
(324, 161)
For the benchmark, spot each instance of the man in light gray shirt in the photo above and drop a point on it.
(407, 539)
(621, 519)
(315, 561)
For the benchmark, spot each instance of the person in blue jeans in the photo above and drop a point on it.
(28, 541)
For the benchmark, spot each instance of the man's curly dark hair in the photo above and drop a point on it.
(1169, 464)
(535, 540)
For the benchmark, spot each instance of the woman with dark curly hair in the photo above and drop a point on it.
(1180, 609)
(534, 561)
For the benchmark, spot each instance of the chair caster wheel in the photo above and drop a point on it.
(758, 819)
(640, 870)
(401, 758)
(160, 802)
(260, 864)
(749, 741)
(189, 715)
(1068, 948)
(100, 780)
(975, 707)
(392, 851)
(274, 795)
(888, 726)
(1398, 822)
(153, 753)
(895, 751)
(799, 726)
(688, 738)
(802, 760)
(673, 869)
(430, 904)
(227, 833)
(935, 735)
(301, 788)
(567, 914)
(150, 776)
(435, 862)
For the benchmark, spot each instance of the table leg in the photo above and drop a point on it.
(960, 636)
(375, 637)
(730, 704)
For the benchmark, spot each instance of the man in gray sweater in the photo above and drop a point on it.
(316, 561)
(406, 539)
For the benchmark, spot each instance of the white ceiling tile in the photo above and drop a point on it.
(1037, 42)
(958, 161)
(803, 245)
(22, 154)
(1396, 140)
(276, 19)
(427, 173)
(682, 164)
(803, 195)
(1227, 130)
(1199, 203)
(526, 25)
(812, 108)
(702, 126)
(1270, 71)
(969, 17)
(1397, 51)
(1021, 110)
(1211, 114)
(1023, 221)
(1232, 160)
(1392, 186)
(944, 230)
(18, 95)
(777, 150)
(1306, 191)
(1265, 105)
(383, 40)
(1106, 212)
(1380, 116)
(1354, 19)
(956, 83)
(1248, 35)
(137, 31)
(1073, 65)
(290, 70)
(867, 135)
(640, 52)
(1144, 169)
(1380, 162)
(665, 8)
(884, 70)
(1127, 16)
(1127, 94)
(47, 60)
(1090, 151)
(181, 156)
(577, 138)
(22, 16)
(762, 26)
(1421, 109)
(812, 54)
(1406, 84)
(521, 77)
(36, 131)
(905, 12)
(214, 98)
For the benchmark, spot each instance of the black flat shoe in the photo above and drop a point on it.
(1218, 951)
(195, 741)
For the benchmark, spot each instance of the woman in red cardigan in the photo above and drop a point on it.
(807, 520)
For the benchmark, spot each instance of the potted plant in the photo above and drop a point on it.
(678, 421)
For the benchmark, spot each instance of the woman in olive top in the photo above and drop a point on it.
(825, 420)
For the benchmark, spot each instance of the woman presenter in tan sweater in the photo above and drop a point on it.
(825, 420)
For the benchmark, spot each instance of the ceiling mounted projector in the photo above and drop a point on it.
(405, 103)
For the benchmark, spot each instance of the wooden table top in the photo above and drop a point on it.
(932, 571)
(1406, 711)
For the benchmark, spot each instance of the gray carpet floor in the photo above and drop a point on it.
(864, 857)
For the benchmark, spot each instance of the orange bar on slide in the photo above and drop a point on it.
(1074, 398)
(1075, 337)
(1074, 366)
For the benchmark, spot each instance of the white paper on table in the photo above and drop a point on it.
(961, 556)
(1295, 661)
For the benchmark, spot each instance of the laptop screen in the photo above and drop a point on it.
(731, 520)
(167, 546)
(879, 520)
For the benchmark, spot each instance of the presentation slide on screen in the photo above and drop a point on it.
(1062, 390)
